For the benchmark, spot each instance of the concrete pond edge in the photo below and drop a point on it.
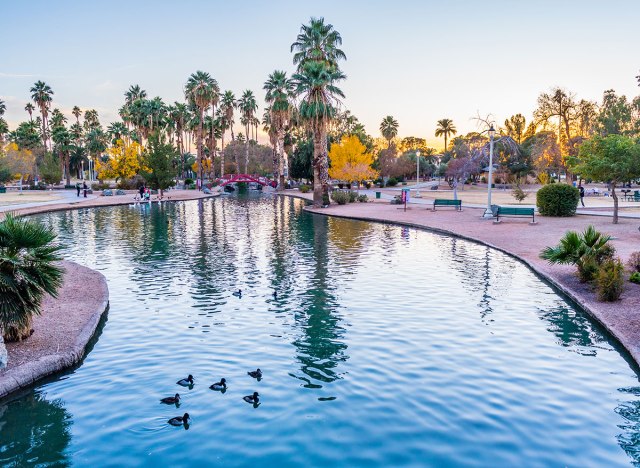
(29, 373)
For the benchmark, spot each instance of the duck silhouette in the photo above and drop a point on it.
(253, 399)
(222, 385)
(256, 374)
(238, 293)
(179, 420)
(186, 382)
(171, 399)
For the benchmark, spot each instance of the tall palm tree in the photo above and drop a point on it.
(63, 140)
(76, 113)
(42, 95)
(91, 120)
(316, 82)
(117, 130)
(279, 94)
(445, 128)
(133, 94)
(227, 105)
(316, 56)
(317, 41)
(4, 129)
(30, 108)
(199, 91)
(3, 107)
(29, 271)
(248, 107)
(389, 129)
(273, 139)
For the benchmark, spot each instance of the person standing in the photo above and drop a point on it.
(78, 189)
(581, 188)
(84, 188)
(141, 191)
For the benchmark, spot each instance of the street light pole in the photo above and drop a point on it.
(417, 172)
(489, 212)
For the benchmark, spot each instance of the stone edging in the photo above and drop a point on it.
(631, 348)
(30, 372)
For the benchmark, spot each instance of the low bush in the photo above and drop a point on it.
(133, 183)
(363, 198)
(304, 188)
(392, 182)
(634, 262)
(341, 198)
(353, 196)
(325, 199)
(100, 186)
(610, 280)
(188, 181)
(635, 277)
(558, 200)
(367, 185)
(519, 194)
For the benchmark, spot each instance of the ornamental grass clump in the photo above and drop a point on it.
(610, 280)
(588, 251)
(28, 271)
(341, 198)
(634, 262)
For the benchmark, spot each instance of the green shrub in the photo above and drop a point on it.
(367, 185)
(634, 262)
(188, 181)
(353, 196)
(133, 183)
(325, 199)
(363, 198)
(304, 188)
(392, 182)
(100, 186)
(341, 198)
(558, 200)
(610, 280)
(635, 277)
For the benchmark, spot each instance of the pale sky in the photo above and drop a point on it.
(418, 61)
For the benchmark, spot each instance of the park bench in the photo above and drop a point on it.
(443, 202)
(509, 211)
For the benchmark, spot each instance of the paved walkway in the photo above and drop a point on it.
(520, 239)
(68, 196)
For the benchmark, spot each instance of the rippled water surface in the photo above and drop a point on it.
(385, 346)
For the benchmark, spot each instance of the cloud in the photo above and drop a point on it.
(15, 75)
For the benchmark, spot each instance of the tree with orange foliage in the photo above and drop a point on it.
(350, 161)
(124, 161)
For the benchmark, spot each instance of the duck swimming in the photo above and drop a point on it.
(238, 293)
(256, 374)
(275, 295)
(186, 382)
(179, 420)
(252, 398)
(171, 399)
(222, 385)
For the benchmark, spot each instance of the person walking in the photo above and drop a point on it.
(581, 188)
(141, 191)
(85, 188)
(78, 189)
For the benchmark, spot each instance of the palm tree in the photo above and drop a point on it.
(199, 91)
(30, 108)
(317, 41)
(445, 128)
(133, 94)
(29, 271)
(91, 119)
(117, 130)
(273, 139)
(279, 94)
(316, 82)
(4, 129)
(41, 93)
(63, 140)
(248, 107)
(76, 113)
(389, 129)
(3, 107)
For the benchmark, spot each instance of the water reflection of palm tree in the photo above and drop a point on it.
(321, 348)
(34, 431)
(572, 328)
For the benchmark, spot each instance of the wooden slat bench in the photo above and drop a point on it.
(510, 211)
(444, 202)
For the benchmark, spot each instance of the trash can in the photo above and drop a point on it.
(4, 190)
(377, 194)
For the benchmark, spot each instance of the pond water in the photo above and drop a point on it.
(384, 346)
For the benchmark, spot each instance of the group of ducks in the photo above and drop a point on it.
(238, 294)
(220, 386)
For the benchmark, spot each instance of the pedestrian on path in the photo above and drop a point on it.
(84, 187)
(581, 188)
(78, 189)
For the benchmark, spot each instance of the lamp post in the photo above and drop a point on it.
(82, 169)
(489, 213)
(417, 172)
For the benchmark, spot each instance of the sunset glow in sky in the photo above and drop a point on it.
(418, 61)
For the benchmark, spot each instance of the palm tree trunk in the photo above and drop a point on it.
(280, 157)
(320, 170)
(246, 150)
(67, 166)
(222, 155)
(199, 147)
